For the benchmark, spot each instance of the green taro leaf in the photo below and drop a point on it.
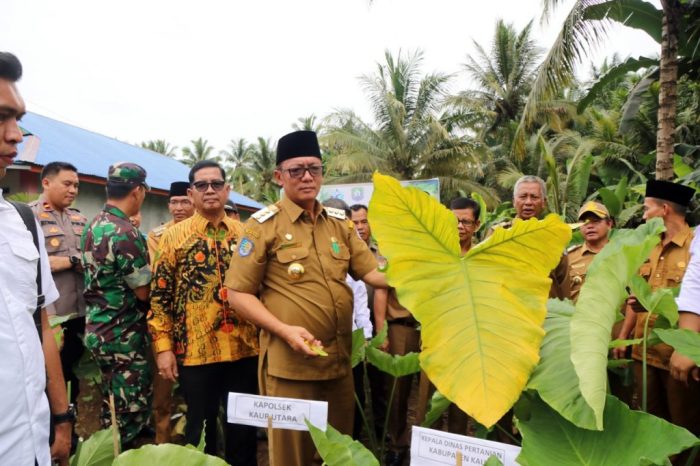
(621, 343)
(493, 461)
(337, 449)
(599, 301)
(555, 378)
(358, 347)
(660, 302)
(686, 342)
(630, 437)
(438, 405)
(98, 450)
(394, 365)
(167, 454)
(481, 314)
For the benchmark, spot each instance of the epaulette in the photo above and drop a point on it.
(33, 203)
(574, 247)
(336, 213)
(73, 209)
(159, 230)
(266, 213)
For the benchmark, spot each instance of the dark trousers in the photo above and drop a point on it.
(72, 351)
(205, 388)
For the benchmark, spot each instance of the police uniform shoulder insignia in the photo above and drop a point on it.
(336, 213)
(266, 213)
(34, 203)
(574, 247)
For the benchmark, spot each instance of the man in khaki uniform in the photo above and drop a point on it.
(62, 226)
(180, 207)
(530, 200)
(595, 229)
(295, 256)
(666, 397)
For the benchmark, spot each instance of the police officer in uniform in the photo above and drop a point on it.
(62, 226)
(180, 207)
(288, 277)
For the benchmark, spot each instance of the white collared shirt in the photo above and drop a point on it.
(24, 422)
(688, 299)
(360, 311)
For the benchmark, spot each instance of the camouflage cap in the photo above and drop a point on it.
(595, 208)
(127, 173)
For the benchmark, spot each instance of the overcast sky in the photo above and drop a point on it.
(177, 70)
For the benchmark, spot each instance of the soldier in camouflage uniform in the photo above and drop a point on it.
(117, 277)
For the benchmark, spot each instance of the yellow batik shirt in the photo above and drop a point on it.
(189, 313)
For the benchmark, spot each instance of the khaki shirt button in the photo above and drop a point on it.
(294, 256)
(661, 258)
(658, 275)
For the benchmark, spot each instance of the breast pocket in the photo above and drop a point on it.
(55, 243)
(286, 256)
(24, 270)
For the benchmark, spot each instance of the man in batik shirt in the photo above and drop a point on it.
(197, 335)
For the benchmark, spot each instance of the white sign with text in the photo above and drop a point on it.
(436, 448)
(286, 413)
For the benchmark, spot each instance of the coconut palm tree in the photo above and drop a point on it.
(237, 160)
(161, 146)
(309, 123)
(408, 138)
(503, 76)
(674, 27)
(263, 159)
(199, 150)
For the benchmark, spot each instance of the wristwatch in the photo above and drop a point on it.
(68, 416)
(74, 261)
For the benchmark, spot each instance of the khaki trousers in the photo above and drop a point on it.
(403, 339)
(295, 448)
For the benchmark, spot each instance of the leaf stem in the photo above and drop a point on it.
(644, 362)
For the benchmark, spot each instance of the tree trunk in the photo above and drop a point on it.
(668, 96)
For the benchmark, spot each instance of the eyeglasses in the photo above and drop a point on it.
(466, 223)
(203, 186)
(298, 172)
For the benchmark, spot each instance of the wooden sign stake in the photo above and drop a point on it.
(115, 426)
(270, 449)
(459, 458)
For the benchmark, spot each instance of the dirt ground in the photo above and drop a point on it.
(90, 399)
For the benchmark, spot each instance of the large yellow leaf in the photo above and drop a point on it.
(481, 315)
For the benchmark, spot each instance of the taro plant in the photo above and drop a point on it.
(492, 341)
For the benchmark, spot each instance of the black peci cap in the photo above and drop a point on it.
(668, 191)
(178, 188)
(298, 144)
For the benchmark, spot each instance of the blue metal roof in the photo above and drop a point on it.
(93, 153)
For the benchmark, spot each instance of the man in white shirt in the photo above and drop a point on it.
(24, 424)
(689, 313)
